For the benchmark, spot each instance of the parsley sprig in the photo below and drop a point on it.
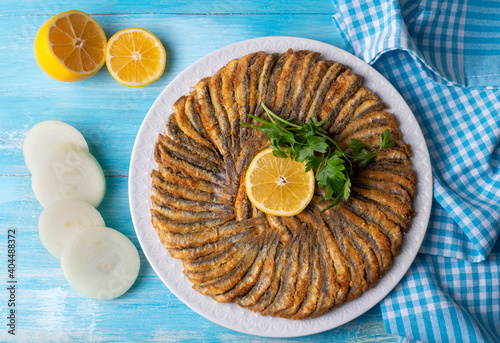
(310, 143)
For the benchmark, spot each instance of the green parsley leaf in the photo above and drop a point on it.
(304, 153)
(356, 145)
(279, 153)
(363, 157)
(318, 144)
(313, 162)
(385, 140)
(347, 189)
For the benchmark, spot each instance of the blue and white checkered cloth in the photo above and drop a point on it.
(443, 56)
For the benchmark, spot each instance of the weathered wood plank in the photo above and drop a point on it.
(182, 7)
(49, 309)
(109, 116)
(107, 113)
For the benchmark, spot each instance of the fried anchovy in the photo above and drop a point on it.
(222, 140)
(226, 282)
(185, 192)
(270, 292)
(310, 302)
(354, 260)
(283, 298)
(403, 212)
(330, 76)
(251, 277)
(329, 287)
(256, 69)
(173, 131)
(265, 279)
(241, 80)
(267, 68)
(241, 204)
(182, 153)
(182, 241)
(340, 92)
(222, 266)
(372, 236)
(343, 118)
(218, 191)
(167, 199)
(305, 62)
(372, 267)
(212, 261)
(272, 87)
(163, 156)
(369, 119)
(312, 83)
(192, 113)
(186, 124)
(186, 216)
(234, 227)
(283, 83)
(339, 262)
(222, 117)
(173, 226)
(210, 248)
(277, 225)
(303, 280)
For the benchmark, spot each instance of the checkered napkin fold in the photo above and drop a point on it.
(443, 56)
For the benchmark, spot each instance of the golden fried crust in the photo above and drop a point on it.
(305, 59)
(303, 280)
(291, 267)
(252, 275)
(310, 303)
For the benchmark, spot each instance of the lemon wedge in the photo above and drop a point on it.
(70, 46)
(135, 57)
(278, 186)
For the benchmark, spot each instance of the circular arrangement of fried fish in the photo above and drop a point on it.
(291, 267)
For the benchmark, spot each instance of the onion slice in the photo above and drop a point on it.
(63, 219)
(100, 263)
(69, 174)
(48, 136)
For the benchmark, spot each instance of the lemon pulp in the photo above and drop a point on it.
(278, 186)
(135, 57)
(70, 46)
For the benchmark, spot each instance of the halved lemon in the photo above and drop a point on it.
(135, 57)
(70, 46)
(278, 186)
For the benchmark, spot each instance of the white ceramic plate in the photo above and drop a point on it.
(170, 270)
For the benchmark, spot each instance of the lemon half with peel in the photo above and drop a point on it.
(278, 186)
(70, 46)
(135, 57)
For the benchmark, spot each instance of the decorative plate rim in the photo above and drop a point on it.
(170, 270)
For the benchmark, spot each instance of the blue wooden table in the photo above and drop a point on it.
(109, 116)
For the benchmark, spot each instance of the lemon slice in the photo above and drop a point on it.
(135, 57)
(278, 186)
(70, 46)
